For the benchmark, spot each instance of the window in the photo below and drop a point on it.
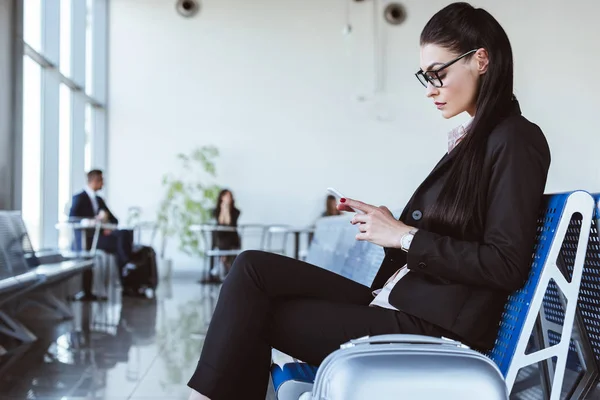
(88, 138)
(62, 63)
(64, 150)
(89, 61)
(64, 162)
(32, 124)
(65, 37)
(32, 23)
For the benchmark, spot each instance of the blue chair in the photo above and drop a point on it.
(583, 361)
(564, 223)
(560, 216)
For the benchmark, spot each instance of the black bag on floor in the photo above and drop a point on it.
(141, 272)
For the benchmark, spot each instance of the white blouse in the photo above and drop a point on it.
(382, 295)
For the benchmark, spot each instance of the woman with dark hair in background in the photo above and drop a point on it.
(461, 246)
(226, 214)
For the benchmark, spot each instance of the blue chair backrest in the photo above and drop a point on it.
(589, 297)
(588, 303)
(518, 303)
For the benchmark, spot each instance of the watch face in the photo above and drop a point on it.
(406, 240)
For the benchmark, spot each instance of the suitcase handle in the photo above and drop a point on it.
(401, 338)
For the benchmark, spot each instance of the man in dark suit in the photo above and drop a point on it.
(88, 205)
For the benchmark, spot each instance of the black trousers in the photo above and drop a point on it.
(269, 300)
(119, 243)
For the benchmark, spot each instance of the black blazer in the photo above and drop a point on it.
(462, 286)
(81, 207)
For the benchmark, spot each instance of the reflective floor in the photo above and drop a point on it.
(123, 349)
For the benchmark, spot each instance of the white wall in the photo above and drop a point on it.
(274, 84)
(6, 134)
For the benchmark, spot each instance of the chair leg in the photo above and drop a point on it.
(52, 303)
(542, 341)
(206, 269)
(15, 329)
(12, 356)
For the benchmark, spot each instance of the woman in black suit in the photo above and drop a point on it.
(461, 246)
(226, 214)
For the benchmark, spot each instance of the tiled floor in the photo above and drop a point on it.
(123, 349)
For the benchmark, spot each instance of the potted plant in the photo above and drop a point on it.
(189, 197)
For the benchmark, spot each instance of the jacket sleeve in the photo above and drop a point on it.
(76, 207)
(502, 258)
(111, 217)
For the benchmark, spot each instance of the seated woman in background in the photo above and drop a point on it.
(331, 207)
(462, 244)
(226, 214)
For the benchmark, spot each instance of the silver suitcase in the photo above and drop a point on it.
(407, 367)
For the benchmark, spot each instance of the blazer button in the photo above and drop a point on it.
(417, 215)
(422, 265)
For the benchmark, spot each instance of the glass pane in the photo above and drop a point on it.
(88, 138)
(32, 114)
(64, 150)
(32, 23)
(64, 163)
(65, 37)
(89, 70)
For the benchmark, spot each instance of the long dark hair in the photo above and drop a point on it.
(217, 210)
(461, 28)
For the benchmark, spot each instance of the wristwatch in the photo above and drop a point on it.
(407, 239)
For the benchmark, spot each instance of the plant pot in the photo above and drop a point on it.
(165, 267)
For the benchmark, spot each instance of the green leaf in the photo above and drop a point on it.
(189, 196)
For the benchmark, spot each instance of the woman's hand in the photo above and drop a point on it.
(377, 225)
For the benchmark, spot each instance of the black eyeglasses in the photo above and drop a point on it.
(433, 77)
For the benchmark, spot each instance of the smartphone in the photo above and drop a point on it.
(338, 196)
